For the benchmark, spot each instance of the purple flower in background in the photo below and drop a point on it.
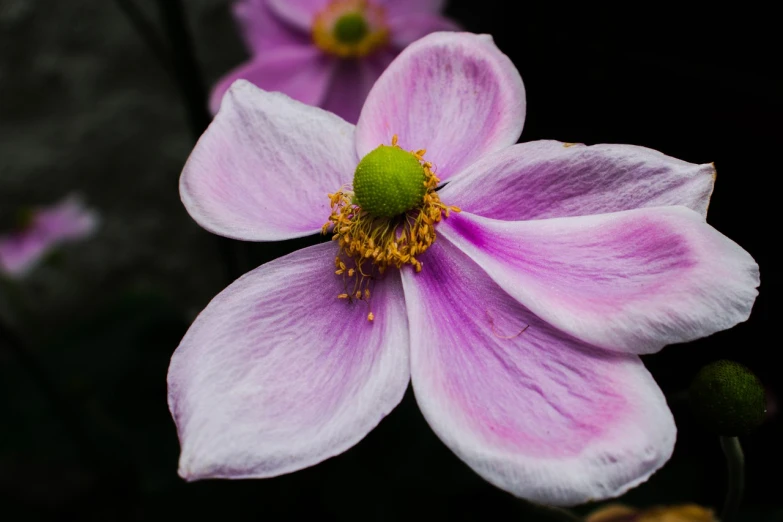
(327, 53)
(518, 319)
(46, 228)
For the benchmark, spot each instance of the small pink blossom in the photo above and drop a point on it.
(327, 53)
(47, 228)
(519, 324)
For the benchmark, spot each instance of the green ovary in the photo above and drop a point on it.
(389, 181)
(350, 28)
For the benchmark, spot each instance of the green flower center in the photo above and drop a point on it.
(350, 28)
(389, 181)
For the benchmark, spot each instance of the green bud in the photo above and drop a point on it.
(350, 28)
(389, 181)
(728, 398)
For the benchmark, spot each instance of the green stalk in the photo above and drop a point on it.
(194, 97)
(735, 465)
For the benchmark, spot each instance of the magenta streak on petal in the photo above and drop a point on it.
(522, 394)
(536, 412)
(659, 247)
(545, 179)
(630, 281)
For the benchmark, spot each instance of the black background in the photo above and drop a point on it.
(700, 86)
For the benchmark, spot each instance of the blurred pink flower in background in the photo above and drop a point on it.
(47, 227)
(327, 53)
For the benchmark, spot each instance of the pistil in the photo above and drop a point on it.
(388, 219)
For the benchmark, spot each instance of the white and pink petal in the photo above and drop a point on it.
(278, 374)
(454, 94)
(302, 72)
(262, 30)
(408, 27)
(298, 13)
(350, 83)
(264, 167)
(545, 179)
(531, 409)
(49, 227)
(631, 281)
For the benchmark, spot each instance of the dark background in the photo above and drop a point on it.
(86, 106)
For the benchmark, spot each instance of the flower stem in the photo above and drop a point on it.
(735, 464)
(194, 96)
(146, 31)
(186, 69)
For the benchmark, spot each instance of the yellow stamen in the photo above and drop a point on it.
(371, 244)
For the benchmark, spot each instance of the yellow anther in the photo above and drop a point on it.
(369, 245)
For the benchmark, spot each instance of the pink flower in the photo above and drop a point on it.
(327, 53)
(48, 227)
(521, 330)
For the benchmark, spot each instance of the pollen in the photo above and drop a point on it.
(387, 220)
(350, 28)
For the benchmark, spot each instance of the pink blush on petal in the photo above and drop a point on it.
(618, 270)
(533, 392)
(530, 408)
(629, 281)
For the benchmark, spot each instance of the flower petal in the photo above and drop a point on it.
(454, 94)
(298, 13)
(535, 412)
(49, 227)
(409, 27)
(277, 374)
(631, 281)
(302, 72)
(543, 179)
(264, 167)
(261, 30)
(350, 83)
